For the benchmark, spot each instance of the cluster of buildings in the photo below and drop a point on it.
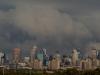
(40, 60)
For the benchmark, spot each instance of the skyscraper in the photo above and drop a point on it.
(32, 53)
(94, 58)
(94, 53)
(74, 57)
(1, 58)
(98, 54)
(83, 64)
(16, 55)
(44, 52)
(37, 64)
(54, 64)
(40, 56)
(26, 59)
(45, 57)
(57, 56)
(86, 64)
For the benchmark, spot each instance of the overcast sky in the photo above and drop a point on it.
(52, 24)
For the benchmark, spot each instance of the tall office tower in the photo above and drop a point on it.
(57, 56)
(68, 62)
(64, 60)
(98, 55)
(32, 54)
(2, 58)
(54, 64)
(7, 59)
(88, 63)
(75, 55)
(40, 56)
(37, 64)
(45, 57)
(94, 53)
(16, 55)
(97, 63)
(94, 58)
(26, 59)
(83, 64)
(98, 58)
(44, 52)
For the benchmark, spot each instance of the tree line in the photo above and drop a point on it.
(71, 71)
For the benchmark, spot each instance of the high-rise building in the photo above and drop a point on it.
(26, 59)
(40, 56)
(32, 53)
(98, 54)
(64, 60)
(94, 53)
(57, 56)
(54, 64)
(83, 65)
(37, 64)
(16, 55)
(97, 63)
(68, 61)
(88, 63)
(44, 52)
(45, 57)
(75, 55)
(2, 58)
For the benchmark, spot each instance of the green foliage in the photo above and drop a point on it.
(71, 71)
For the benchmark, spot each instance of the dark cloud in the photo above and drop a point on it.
(57, 24)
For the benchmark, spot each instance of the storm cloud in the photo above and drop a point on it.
(55, 25)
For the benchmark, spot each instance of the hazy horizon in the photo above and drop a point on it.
(53, 24)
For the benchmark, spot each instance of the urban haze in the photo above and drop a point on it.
(57, 25)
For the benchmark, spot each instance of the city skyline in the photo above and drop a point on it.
(52, 24)
(39, 59)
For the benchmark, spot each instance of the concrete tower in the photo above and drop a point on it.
(44, 52)
(94, 53)
(1, 58)
(32, 53)
(94, 58)
(75, 55)
(57, 56)
(54, 64)
(16, 55)
(45, 57)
